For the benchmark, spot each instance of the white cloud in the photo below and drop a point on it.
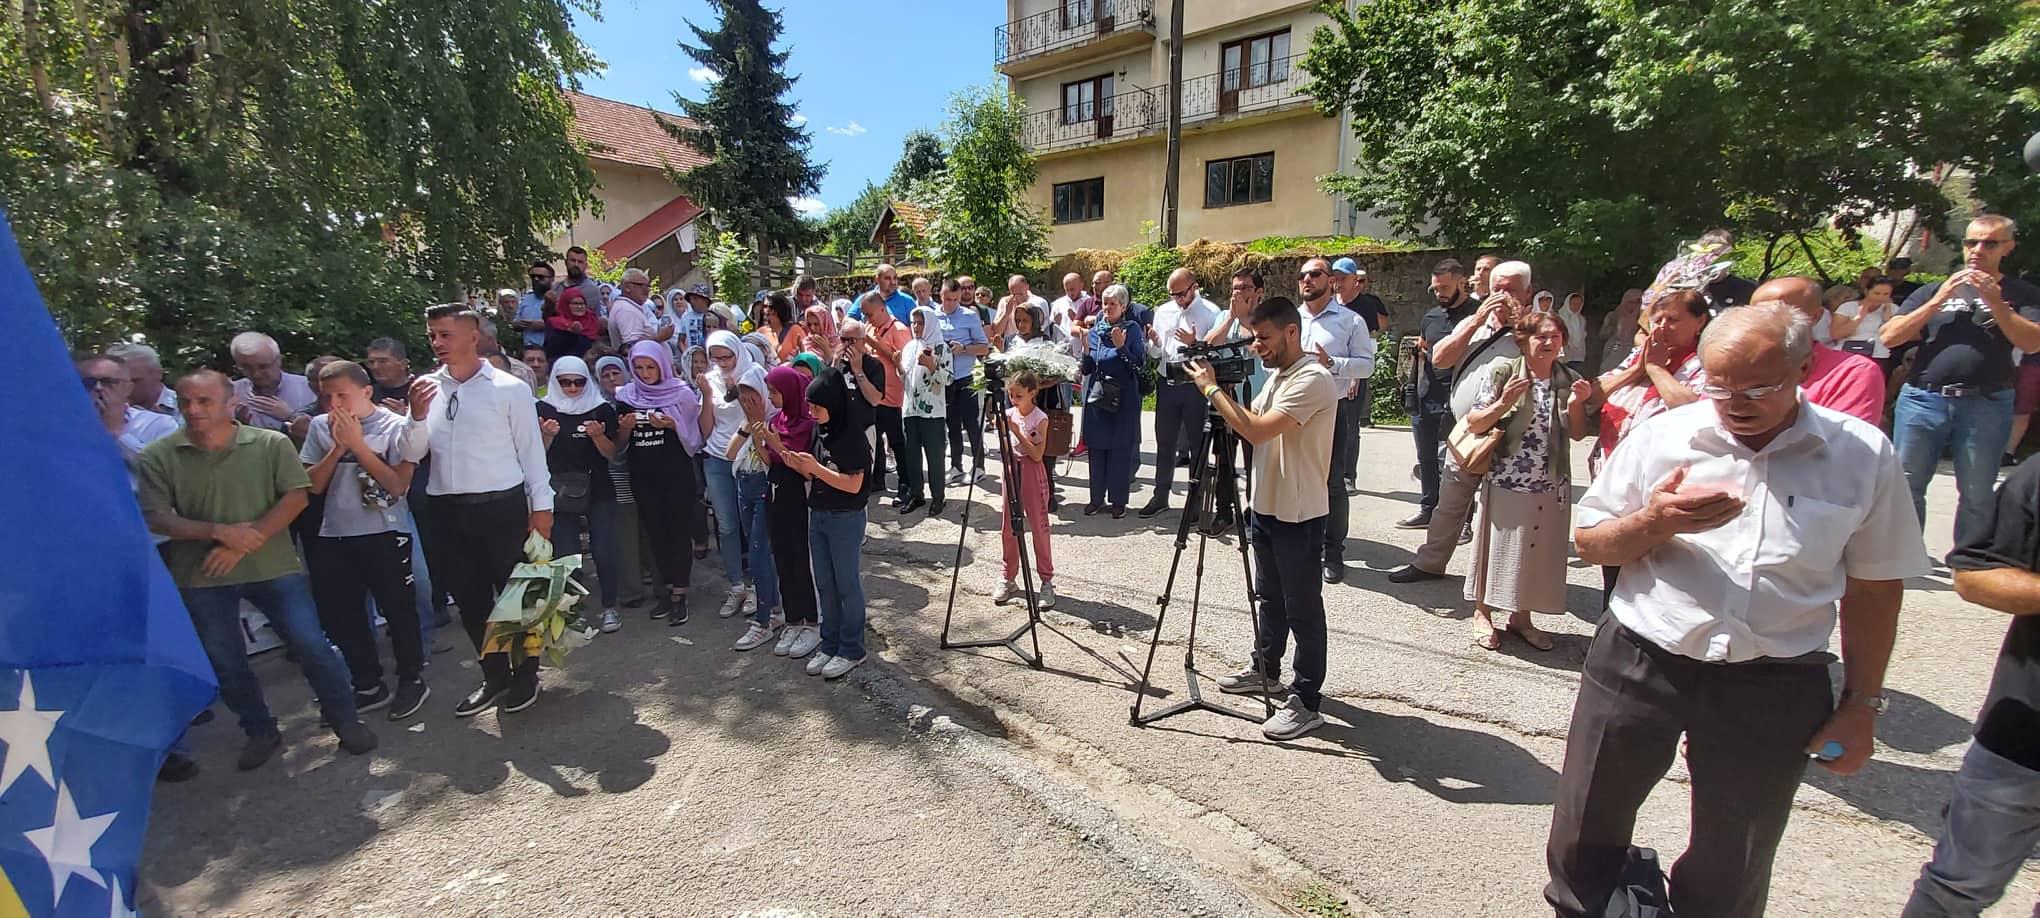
(849, 130)
(808, 207)
(703, 74)
(799, 120)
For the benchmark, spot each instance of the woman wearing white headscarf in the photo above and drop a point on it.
(611, 374)
(579, 428)
(722, 419)
(925, 370)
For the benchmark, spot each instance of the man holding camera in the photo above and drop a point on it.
(1290, 430)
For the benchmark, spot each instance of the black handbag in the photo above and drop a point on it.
(1106, 394)
(570, 491)
(1640, 892)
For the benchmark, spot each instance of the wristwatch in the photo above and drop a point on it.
(1877, 702)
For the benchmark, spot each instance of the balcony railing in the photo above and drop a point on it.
(1072, 22)
(1249, 88)
(1120, 116)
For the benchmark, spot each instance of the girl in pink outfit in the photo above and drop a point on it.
(1028, 425)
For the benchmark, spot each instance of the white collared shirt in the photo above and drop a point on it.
(1200, 317)
(1343, 335)
(142, 428)
(294, 390)
(491, 443)
(1825, 501)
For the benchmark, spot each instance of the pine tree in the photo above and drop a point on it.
(758, 156)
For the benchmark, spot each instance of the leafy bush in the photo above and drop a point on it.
(728, 266)
(1386, 389)
(1327, 245)
(1146, 272)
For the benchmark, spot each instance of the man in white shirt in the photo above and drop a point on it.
(630, 319)
(145, 379)
(1736, 539)
(107, 382)
(1179, 411)
(1337, 339)
(1473, 346)
(490, 488)
(265, 395)
(1073, 311)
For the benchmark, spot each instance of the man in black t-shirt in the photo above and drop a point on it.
(1959, 395)
(1432, 417)
(1995, 813)
(1351, 289)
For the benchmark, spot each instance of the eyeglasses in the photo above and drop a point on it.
(1724, 393)
(850, 339)
(453, 405)
(573, 382)
(1179, 294)
(101, 382)
(1312, 273)
(541, 277)
(1984, 244)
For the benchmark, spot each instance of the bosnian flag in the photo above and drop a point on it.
(100, 670)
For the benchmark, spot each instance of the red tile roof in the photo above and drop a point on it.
(657, 225)
(901, 212)
(622, 133)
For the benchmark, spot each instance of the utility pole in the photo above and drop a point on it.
(1172, 184)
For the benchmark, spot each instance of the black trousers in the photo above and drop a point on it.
(1179, 416)
(471, 544)
(786, 526)
(964, 416)
(1429, 429)
(1292, 601)
(1746, 727)
(891, 435)
(345, 573)
(669, 511)
(1345, 442)
(422, 507)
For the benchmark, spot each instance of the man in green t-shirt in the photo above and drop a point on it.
(224, 493)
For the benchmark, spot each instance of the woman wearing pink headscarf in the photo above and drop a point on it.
(791, 430)
(820, 339)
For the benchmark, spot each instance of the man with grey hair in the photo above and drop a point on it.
(265, 395)
(630, 320)
(1736, 539)
(1475, 344)
(145, 378)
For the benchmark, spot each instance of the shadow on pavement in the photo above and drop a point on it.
(1458, 766)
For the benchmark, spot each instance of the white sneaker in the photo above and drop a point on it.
(838, 667)
(733, 603)
(1292, 720)
(1004, 594)
(1045, 599)
(610, 623)
(777, 620)
(786, 636)
(817, 663)
(755, 636)
(804, 643)
(954, 478)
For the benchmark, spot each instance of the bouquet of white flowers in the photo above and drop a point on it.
(534, 615)
(1043, 358)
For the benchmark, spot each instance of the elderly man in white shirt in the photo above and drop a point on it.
(490, 487)
(1179, 411)
(632, 318)
(265, 395)
(1737, 540)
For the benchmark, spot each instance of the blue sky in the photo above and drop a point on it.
(870, 70)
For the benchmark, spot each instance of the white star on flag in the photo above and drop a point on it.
(26, 731)
(117, 907)
(66, 843)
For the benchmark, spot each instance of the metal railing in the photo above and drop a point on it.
(1248, 88)
(1072, 22)
(1124, 115)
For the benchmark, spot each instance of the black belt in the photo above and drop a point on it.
(482, 497)
(1962, 390)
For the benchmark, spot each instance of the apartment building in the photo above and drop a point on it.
(1094, 75)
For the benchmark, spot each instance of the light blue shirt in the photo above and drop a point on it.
(1343, 335)
(899, 304)
(962, 328)
(531, 308)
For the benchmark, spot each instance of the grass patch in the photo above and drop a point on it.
(1319, 899)
(1327, 245)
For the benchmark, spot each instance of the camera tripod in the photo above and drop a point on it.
(1214, 495)
(1009, 483)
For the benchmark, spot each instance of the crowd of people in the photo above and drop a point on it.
(1746, 501)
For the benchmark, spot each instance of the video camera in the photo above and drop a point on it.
(1231, 362)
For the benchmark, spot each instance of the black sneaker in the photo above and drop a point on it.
(664, 608)
(257, 751)
(355, 738)
(935, 508)
(679, 613)
(523, 693)
(371, 699)
(411, 695)
(177, 768)
(1153, 507)
(1410, 573)
(1466, 533)
(481, 699)
(1420, 521)
(1335, 570)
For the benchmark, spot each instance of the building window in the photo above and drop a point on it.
(1244, 180)
(1079, 201)
(1079, 13)
(1087, 100)
(1254, 62)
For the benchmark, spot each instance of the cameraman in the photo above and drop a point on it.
(1290, 429)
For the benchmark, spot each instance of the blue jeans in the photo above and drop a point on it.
(1977, 427)
(600, 521)
(287, 601)
(1993, 823)
(421, 588)
(751, 509)
(835, 538)
(729, 539)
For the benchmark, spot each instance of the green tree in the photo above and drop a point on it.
(848, 228)
(184, 171)
(980, 221)
(921, 157)
(758, 155)
(1605, 130)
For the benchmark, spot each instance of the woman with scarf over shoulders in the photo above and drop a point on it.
(660, 415)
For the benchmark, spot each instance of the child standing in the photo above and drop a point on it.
(926, 368)
(836, 497)
(1028, 425)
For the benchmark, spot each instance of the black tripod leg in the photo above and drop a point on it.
(995, 400)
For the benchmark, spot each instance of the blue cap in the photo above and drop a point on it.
(1345, 266)
(760, 295)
